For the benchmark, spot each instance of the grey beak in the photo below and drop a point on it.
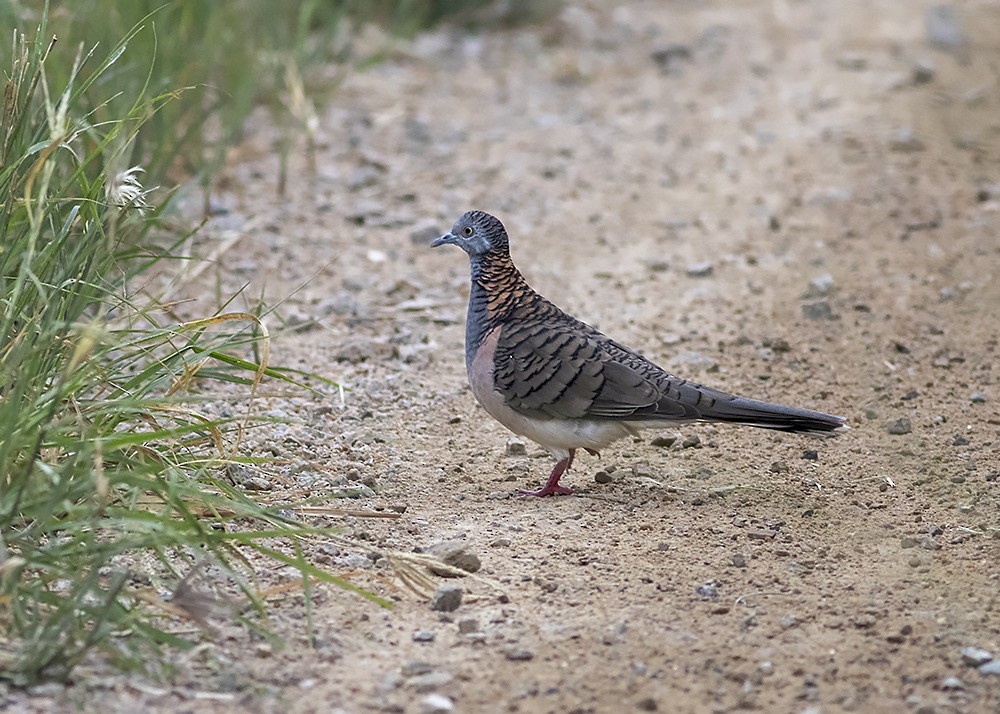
(443, 240)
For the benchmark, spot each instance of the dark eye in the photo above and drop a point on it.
(468, 231)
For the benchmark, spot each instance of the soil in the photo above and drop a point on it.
(793, 201)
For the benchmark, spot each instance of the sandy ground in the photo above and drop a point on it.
(795, 201)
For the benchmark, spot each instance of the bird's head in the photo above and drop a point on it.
(477, 233)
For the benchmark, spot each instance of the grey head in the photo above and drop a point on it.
(478, 234)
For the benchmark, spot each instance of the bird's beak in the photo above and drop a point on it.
(444, 240)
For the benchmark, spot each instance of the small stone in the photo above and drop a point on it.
(923, 71)
(944, 29)
(899, 427)
(515, 447)
(648, 704)
(907, 542)
(424, 234)
(778, 467)
(700, 270)
(708, 591)
(436, 704)
(423, 636)
(928, 543)
(952, 684)
(810, 455)
(820, 286)
(416, 667)
(975, 657)
(852, 61)
(817, 310)
(671, 57)
(665, 440)
(691, 442)
(430, 681)
(657, 265)
(467, 625)
(978, 397)
(959, 441)
(448, 598)
(905, 141)
(603, 476)
(455, 553)
(519, 654)
(991, 667)
(739, 560)
(777, 344)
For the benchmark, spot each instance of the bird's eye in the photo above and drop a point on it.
(467, 231)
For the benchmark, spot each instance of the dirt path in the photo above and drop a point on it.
(793, 201)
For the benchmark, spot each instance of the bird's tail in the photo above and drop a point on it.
(750, 412)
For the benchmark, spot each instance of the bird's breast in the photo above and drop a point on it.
(556, 435)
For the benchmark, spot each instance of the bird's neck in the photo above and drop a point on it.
(497, 290)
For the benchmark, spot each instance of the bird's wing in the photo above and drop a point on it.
(563, 368)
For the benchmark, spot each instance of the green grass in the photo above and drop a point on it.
(113, 486)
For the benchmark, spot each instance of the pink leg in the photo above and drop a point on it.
(552, 487)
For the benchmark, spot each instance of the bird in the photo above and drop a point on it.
(565, 385)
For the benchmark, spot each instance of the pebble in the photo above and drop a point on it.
(974, 656)
(700, 270)
(952, 684)
(943, 27)
(519, 654)
(424, 233)
(423, 636)
(928, 543)
(448, 598)
(852, 61)
(817, 310)
(670, 58)
(657, 265)
(515, 447)
(739, 560)
(707, 591)
(455, 553)
(647, 704)
(603, 476)
(779, 467)
(693, 441)
(810, 455)
(416, 667)
(430, 681)
(905, 141)
(665, 440)
(820, 286)
(467, 625)
(899, 426)
(923, 71)
(436, 704)
(991, 667)
(978, 397)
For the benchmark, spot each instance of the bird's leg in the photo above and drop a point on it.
(593, 452)
(552, 487)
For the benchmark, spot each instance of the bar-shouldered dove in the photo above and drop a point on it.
(565, 385)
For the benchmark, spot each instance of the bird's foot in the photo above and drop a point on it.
(593, 452)
(549, 489)
(552, 487)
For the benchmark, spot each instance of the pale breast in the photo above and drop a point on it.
(556, 435)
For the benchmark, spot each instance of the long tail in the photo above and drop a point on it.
(750, 412)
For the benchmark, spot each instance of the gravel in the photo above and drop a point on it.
(448, 598)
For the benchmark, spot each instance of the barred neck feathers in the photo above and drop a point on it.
(498, 289)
